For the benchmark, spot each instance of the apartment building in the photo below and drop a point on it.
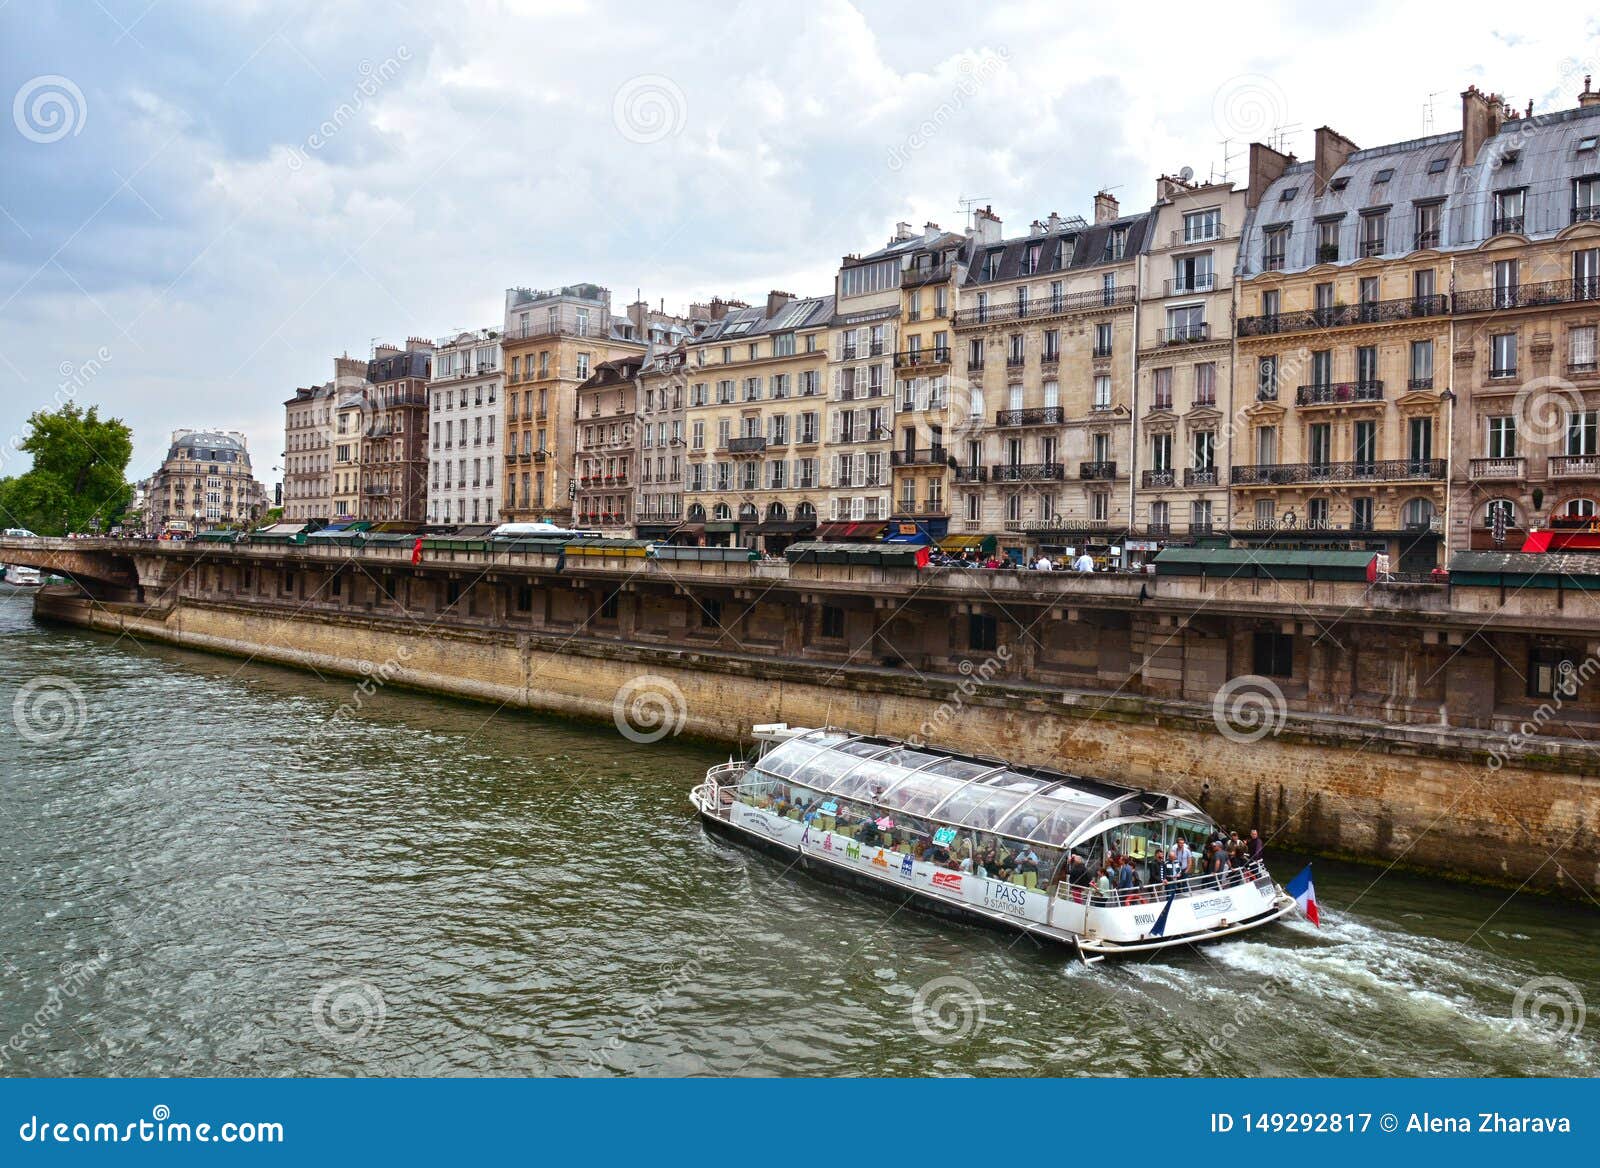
(927, 418)
(308, 453)
(607, 445)
(206, 480)
(663, 437)
(391, 448)
(1186, 370)
(466, 422)
(1527, 305)
(755, 418)
(553, 341)
(1047, 340)
(863, 339)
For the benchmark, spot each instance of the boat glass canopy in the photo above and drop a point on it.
(1046, 808)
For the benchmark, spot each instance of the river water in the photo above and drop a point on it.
(206, 872)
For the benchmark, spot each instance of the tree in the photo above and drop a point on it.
(80, 464)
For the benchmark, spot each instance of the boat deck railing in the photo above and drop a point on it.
(1158, 893)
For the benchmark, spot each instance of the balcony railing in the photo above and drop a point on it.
(1426, 239)
(1015, 360)
(917, 277)
(1575, 466)
(1186, 334)
(1039, 416)
(1046, 306)
(1097, 471)
(1529, 295)
(920, 358)
(1201, 476)
(927, 507)
(746, 445)
(1505, 225)
(1498, 468)
(1339, 393)
(1199, 282)
(1161, 401)
(1205, 233)
(1158, 478)
(1589, 214)
(1419, 383)
(972, 474)
(1376, 470)
(1027, 472)
(1327, 253)
(1342, 315)
(928, 456)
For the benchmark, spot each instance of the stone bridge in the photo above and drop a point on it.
(113, 570)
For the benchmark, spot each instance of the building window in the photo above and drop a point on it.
(1552, 671)
(1273, 654)
(1503, 355)
(833, 622)
(983, 634)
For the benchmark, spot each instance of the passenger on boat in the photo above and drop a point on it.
(1102, 884)
(1027, 860)
(1077, 870)
(1184, 857)
(1174, 869)
(1258, 847)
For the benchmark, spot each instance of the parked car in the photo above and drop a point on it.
(18, 533)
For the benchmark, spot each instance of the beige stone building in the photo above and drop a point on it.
(311, 473)
(755, 422)
(663, 437)
(607, 443)
(1047, 341)
(466, 425)
(1186, 369)
(206, 481)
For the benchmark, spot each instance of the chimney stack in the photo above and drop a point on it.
(1266, 167)
(1332, 150)
(1588, 97)
(902, 232)
(1054, 222)
(776, 300)
(1481, 117)
(986, 225)
(1105, 207)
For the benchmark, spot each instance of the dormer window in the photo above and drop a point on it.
(1288, 194)
(1510, 157)
(1339, 183)
(1437, 165)
(1588, 143)
(1383, 175)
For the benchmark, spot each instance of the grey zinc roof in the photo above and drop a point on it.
(743, 323)
(1073, 246)
(1547, 161)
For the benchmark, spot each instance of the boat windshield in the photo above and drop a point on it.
(784, 760)
(983, 804)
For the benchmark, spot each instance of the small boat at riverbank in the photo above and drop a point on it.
(22, 576)
(981, 841)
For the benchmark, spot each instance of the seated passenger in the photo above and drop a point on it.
(1027, 860)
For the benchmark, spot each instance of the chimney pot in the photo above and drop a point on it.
(1105, 207)
(1588, 97)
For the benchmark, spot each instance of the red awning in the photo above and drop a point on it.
(851, 530)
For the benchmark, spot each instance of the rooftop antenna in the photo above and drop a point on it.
(1280, 136)
(1427, 113)
(968, 205)
(1227, 161)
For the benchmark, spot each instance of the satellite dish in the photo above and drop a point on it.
(1186, 173)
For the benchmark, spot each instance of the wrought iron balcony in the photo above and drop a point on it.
(1589, 214)
(1344, 315)
(1015, 360)
(1040, 416)
(1046, 306)
(1339, 393)
(1376, 470)
(1575, 466)
(1158, 478)
(1161, 401)
(1102, 350)
(917, 277)
(1199, 282)
(1327, 253)
(1505, 225)
(1204, 232)
(1158, 530)
(746, 445)
(928, 456)
(1498, 468)
(1200, 476)
(1186, 334)
(972, 474)
(1027, 472)
(1568, 291)
(921, 358)
(1097, 471)
(1426, 239)
(1419, 383)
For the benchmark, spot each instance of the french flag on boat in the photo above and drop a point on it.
(1305, 895)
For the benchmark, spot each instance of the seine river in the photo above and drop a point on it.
(207, 873)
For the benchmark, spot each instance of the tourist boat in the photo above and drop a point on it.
(981, 841)
(27, 577)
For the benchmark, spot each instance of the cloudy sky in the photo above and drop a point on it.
(203, 201)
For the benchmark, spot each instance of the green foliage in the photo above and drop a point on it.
(80, 462)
